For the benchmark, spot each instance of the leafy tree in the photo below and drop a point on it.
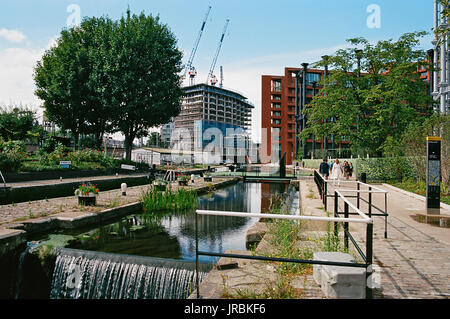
(143, 82)
(372, 94)
(17, 123)
(61, 78)
(414, 145)
(111, 76)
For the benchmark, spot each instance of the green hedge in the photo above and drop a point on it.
(382, 169)
(389, 168)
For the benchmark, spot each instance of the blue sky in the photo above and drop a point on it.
(262, 38)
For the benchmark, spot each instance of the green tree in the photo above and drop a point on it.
(414, 145)
(111, 76)
(61, 78)
(373, 92)
(16, 123)
(143, 81)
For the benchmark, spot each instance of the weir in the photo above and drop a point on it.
(81, 274)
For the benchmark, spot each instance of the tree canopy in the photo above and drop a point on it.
(17, 123)
(111, 76)
(373, 92)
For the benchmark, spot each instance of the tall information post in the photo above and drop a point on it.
(433, 175)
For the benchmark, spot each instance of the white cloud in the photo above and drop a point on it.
(16, 77)
(13, 36)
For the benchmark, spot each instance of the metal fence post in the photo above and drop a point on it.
(386, 216)
(369, 260)
(357, 194)
(325, 198)
(346, 227)
(197, 281)
(370, 201)
(336, 212)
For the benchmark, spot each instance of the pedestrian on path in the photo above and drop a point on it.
(324, 169)
(348, 169)
(336, 172)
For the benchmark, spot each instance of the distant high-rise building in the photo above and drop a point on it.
(166, 132)
(213, 120)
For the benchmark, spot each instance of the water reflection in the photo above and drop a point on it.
(172, 234)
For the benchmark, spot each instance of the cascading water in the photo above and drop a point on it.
(80, 274)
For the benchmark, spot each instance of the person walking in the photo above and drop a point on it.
(336, 172)
(324, 169)
(346, 170)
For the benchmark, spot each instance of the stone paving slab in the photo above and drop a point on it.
(414, 259)
(68, 206)
(70, 180)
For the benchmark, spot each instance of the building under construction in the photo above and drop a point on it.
(216, 121)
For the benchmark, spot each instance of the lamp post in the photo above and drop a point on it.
(305, 70)
(325, 58)
(314, 85)
(358, 54)
(298, 80)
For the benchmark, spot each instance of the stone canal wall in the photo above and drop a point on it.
(22, 219)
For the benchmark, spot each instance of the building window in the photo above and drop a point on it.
(312, 77)
(276, 105)
(276, 97)
(276, 113)
(276, 121)
(276, 85)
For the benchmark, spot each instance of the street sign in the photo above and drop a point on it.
(65, 164)
(433, 175)
(129, 167)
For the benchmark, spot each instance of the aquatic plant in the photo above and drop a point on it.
(181, 199)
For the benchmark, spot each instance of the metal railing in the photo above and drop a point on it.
(367, 257)
(249, 172)
(361, 188)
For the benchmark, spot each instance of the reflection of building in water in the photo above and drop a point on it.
(268, 190)
(254, 199)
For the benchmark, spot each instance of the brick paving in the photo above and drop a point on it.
(414, 260)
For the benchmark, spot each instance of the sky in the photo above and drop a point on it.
(263, 37)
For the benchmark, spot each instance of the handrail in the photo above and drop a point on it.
(364, 220)
(4, 182)
(322, 184)
(367, 257)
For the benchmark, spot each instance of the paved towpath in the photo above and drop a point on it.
(70, 180)
(414, 260)
(68, 206)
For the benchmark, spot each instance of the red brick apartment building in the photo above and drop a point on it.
(278, 114)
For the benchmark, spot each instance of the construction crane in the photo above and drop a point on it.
(211, 77)
(189, 67)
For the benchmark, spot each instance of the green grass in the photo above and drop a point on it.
(419, 187)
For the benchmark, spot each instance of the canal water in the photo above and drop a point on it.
(172, 234)
(143, 255)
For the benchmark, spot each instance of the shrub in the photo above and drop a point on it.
(389, 168)
(12, 154)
